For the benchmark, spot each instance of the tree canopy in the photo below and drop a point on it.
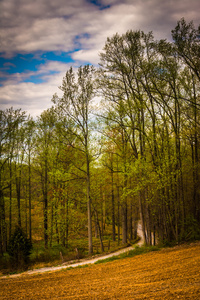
(120, 147)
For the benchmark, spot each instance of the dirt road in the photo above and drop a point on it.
(168, 274)
(83, 262)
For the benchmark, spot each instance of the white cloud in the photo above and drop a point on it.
(30, 97)
(148, 15)
(49, 25)
(42, 25)
(90, 56)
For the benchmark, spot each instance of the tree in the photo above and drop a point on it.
(44, 145)
(187, 41)
(10, 121)
(75, 107)
(18, 166)
(19, 248)
(121, 76)
(145, 91)
(29, 143)
(187, 44)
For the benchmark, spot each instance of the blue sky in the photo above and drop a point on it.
(41, 39)
(29, 63)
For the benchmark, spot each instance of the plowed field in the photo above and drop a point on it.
(168, 274)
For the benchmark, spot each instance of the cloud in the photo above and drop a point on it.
(44, 70)
(79, 27)
(49, 25)
(88, 56)
(147, 15)
(42, 25)
(30, 97)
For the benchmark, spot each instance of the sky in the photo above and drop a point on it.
(41, 39)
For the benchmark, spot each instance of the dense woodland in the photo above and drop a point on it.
(121, 146)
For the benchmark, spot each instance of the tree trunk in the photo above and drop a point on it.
(3, 233)
(99, 229)
(67, 222)
(90, 246)
(45, 206)
(118, 216)
(29, 196)
(18, 191)
(113, 207)
(52, 220)
(10, 206)
(124, 223)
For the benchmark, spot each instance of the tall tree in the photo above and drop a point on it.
(29, 147)
(44, 145)
(75, 106)
(121, 85)
(187, 41)
(10, 121)
(187, 44)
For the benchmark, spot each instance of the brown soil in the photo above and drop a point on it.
(167, 274)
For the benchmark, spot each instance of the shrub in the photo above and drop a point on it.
(19, 249)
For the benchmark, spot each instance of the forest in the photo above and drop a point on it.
(121, 146)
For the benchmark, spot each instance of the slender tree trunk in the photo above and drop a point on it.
(10, 206)
(99, 229)
(148, 219)
(90, 246)
(26, 209)
(45, 206)
(131, 223)
(52, 220)
(67, 222)
(124, 215)
(3, 233)
(118, 216)
(56, 224)
(124, 203)
(1, 241)
(18, 191)
(104, 213)
(113, 206)
(141, 199)
(124, 222)
(29, 196)
(118, 206)
(195, 159)
(96, 228)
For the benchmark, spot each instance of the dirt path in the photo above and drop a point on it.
(83, 262)
(169, 274)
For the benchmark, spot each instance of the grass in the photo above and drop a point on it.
(137, 251)
(41, 257)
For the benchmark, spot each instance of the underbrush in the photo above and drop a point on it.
(76, 249)
(57, 254)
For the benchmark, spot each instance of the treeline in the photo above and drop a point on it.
(133, 155)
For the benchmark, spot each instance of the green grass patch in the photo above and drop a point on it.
(136, 251)
(82, 266)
